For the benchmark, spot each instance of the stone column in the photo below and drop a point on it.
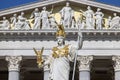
(13, 67)
(84, 67)
(116, 60)
(46, 72)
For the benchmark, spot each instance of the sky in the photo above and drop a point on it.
(5, 4)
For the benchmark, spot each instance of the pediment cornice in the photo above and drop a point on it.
(51, 2)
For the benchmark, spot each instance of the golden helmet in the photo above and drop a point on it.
(60, 32)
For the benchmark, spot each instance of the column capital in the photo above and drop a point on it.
(84, 62)
(46, 67)
(116, 59)
(13, 62)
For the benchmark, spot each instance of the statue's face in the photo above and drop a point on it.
(60, 41)
(115, 14)
(98, 9)
(88, 7)
(109, 17)
(67, 4)
(15, 15)
(44, 8)
(4, 18)
(22, 14)
(36, 9)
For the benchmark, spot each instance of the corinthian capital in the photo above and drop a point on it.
(116, 59)
(84, 62)
(13, 62)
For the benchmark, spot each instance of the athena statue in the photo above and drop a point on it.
(61, 56)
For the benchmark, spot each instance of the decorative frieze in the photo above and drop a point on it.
(13, 62)
(84, 62)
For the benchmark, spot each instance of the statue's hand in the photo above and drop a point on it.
(40, 65)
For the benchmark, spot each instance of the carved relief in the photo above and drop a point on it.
(43, 19)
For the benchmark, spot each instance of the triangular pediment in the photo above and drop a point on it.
(76, 5)
(56, 3)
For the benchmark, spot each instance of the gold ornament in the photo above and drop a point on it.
(39, 56)
(60, 52)
(60, 32)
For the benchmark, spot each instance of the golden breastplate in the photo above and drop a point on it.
(60, 52)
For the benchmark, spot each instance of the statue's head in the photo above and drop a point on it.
(44, 8)
(22, 13)
(67, 4)
(4, 18)
(14, 15)
(98, 9)
(114, 14)
(36, 9)
(60, 41)
(60, 35)
(109, 17)
(88, 7)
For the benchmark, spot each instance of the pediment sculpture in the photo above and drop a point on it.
(44, 19)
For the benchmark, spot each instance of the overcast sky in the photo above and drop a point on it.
(4, 4)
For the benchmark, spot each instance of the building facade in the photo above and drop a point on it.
(34, 26)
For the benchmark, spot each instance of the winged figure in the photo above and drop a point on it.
(39, 56)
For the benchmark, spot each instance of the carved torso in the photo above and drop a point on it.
(60, 52)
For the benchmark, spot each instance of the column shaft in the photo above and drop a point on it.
(84, 75)
(13, 75)
(46, 72)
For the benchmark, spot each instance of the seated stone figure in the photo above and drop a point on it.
(4, 24)
(22, 23)
(115, 22)
(53, 23)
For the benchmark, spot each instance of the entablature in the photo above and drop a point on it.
(49, 34)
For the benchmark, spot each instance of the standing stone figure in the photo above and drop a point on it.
(22, 22)
(115, 22)
(36, 15)
(61, 56)
(89, 14)
(66, 15)
(13, 20)
(108, 21)
(4, 24)
(99, 18)
(79, 23)
(44, 17)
